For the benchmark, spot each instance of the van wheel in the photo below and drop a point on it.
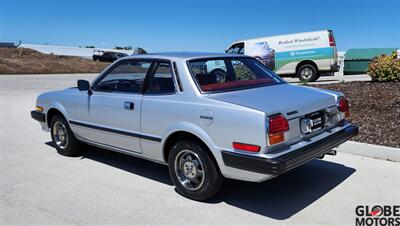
(307, 73)
(193, 172)
(63, 138)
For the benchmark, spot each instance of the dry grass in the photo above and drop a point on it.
(28, 61)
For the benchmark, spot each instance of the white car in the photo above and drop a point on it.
(238, 120)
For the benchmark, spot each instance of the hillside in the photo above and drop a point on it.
(28, 61)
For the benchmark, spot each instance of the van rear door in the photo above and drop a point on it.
(332, 43)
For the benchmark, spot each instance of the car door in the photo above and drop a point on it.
(113, 118)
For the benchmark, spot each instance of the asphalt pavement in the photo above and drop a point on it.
(38, 186)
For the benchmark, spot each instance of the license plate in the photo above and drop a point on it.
(312, 122)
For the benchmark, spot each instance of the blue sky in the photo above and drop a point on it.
(195, 25)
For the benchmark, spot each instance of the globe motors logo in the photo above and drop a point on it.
(378, 215)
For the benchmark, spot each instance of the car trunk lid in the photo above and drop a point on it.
(290, 100)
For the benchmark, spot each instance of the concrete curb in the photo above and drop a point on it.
(370, 150)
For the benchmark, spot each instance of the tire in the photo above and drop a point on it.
(64, 141)
(189, 155)
(307, 73)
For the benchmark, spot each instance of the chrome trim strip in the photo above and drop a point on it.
(132, 134)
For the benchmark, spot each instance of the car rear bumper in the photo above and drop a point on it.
(39, 116)
(332, 68)
(286, 162)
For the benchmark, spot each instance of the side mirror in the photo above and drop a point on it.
(83, 85)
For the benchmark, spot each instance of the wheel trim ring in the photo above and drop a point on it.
(60, 135)
(179, 171)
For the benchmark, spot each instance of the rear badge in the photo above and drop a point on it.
(292, 113)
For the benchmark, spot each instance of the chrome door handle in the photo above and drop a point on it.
(129, 105)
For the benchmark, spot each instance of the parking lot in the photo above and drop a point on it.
(38, 186)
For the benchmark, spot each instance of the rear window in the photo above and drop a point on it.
(225, 74)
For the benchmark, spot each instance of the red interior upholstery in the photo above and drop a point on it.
(235, 84)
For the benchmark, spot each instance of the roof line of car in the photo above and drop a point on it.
(169, 57)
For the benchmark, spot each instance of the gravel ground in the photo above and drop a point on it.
(375, 108)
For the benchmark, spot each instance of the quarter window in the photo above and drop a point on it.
(127, 76)
(162, 81)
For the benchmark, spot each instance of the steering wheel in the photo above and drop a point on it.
(220, 75)
(127, 86)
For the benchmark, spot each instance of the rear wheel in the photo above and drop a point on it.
(307, 73)
(193, 172)
(63, 138)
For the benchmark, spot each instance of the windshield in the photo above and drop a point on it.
(237, 48)
(224, 74)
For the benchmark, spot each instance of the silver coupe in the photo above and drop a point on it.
(207, 116)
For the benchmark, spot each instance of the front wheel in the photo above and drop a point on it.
(307, 73)
(193, 172)
(63, 138)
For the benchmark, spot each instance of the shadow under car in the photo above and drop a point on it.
(278, 198)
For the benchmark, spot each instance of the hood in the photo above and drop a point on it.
(283, 98)
(55, 94)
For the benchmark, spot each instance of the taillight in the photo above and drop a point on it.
(343, 107)
(331, 39)
(277, 126)
(246, 147)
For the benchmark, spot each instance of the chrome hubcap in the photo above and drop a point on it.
(60, 135)
(306, 73)
(189, 169)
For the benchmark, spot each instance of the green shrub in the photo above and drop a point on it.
(385, 68)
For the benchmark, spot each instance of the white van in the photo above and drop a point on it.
(307, 55)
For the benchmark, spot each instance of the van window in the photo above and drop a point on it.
(237, 48)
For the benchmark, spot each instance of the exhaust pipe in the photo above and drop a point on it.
(332, 152)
